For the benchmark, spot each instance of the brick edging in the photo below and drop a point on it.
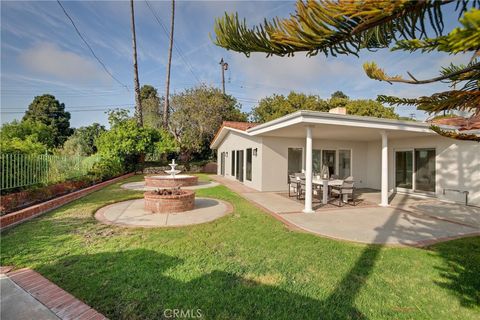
(17, 217)
(57, 300)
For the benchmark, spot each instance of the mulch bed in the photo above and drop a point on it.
(22, 199)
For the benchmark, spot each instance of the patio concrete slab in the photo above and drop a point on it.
(467, 215)
(17, 304)
(132, 213)
(140, 186)
(410, 220)
(273, 202)
(379, 225)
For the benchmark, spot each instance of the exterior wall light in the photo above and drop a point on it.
(255, 151)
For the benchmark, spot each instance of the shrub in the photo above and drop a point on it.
(106, 168)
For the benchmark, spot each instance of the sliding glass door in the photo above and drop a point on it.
(415, 170)
(328, 159)
(344, 163)
(222, 163)
(425, 170)
(317, 162)
(295, 156)
(239, 173)
(404, 169)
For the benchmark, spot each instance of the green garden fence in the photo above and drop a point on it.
(23, 170)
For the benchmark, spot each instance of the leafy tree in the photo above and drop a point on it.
(346, 27)
(197, 114)
(370, 108)
(29, 145)
(82, 142)
(26, 137)
(278, 105)
(127, 141)
(74, 146)
(117, 116)
(49, 111)
(339, 95)
(152, 116)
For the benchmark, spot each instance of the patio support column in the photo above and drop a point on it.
(384, 185)
(308, 172)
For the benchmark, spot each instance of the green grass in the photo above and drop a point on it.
(246, 265)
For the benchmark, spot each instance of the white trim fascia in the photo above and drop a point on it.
(317, 117)
(223, 132)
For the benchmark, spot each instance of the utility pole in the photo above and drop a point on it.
(138, 102)
(223, 66)
(169, 65)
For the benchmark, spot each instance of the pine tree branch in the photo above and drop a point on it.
(376, 73)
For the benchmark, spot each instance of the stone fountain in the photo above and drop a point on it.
(169, 197)
(172, 179)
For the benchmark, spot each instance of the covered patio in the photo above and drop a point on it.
(409, 220)
(356, 148)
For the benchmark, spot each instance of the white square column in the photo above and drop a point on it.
(384, 184)
(308, 171)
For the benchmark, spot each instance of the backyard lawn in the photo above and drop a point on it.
(246, 265)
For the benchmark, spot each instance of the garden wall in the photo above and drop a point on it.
(17, 217)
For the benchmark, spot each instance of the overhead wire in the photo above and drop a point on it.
(90, 48)
(177, 49)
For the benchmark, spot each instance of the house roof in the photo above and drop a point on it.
(232, 125)
(462, 123)
(330, 121)
(244, 126)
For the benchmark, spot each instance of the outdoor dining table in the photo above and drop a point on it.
(326, 183)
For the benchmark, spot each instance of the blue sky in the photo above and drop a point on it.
(41, 53)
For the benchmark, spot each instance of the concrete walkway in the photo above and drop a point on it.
(131, 213)
(26, 295)
(409, 220)
(18, 304)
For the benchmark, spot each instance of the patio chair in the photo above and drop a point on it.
(346, 189)
(300, 188)
(292, 185)
(300, 175)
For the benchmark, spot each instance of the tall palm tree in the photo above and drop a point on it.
(138, 101)
(167, 89)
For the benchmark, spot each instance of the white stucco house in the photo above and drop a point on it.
(383, 154)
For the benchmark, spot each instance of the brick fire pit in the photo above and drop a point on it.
(184, 200)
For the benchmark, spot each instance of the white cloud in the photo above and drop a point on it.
(48, 59)
(299, 73)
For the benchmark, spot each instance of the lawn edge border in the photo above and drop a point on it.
(63, 304)
(14, 218)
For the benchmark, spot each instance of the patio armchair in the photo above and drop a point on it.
(292, 185)
(347, 189)
(300, 175)
(301, 188)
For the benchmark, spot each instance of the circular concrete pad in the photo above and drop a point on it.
(140, 186)
(131, 213)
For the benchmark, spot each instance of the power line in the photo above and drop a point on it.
(177, 49)
(86, 110)
(90, 48)
(67, 108)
